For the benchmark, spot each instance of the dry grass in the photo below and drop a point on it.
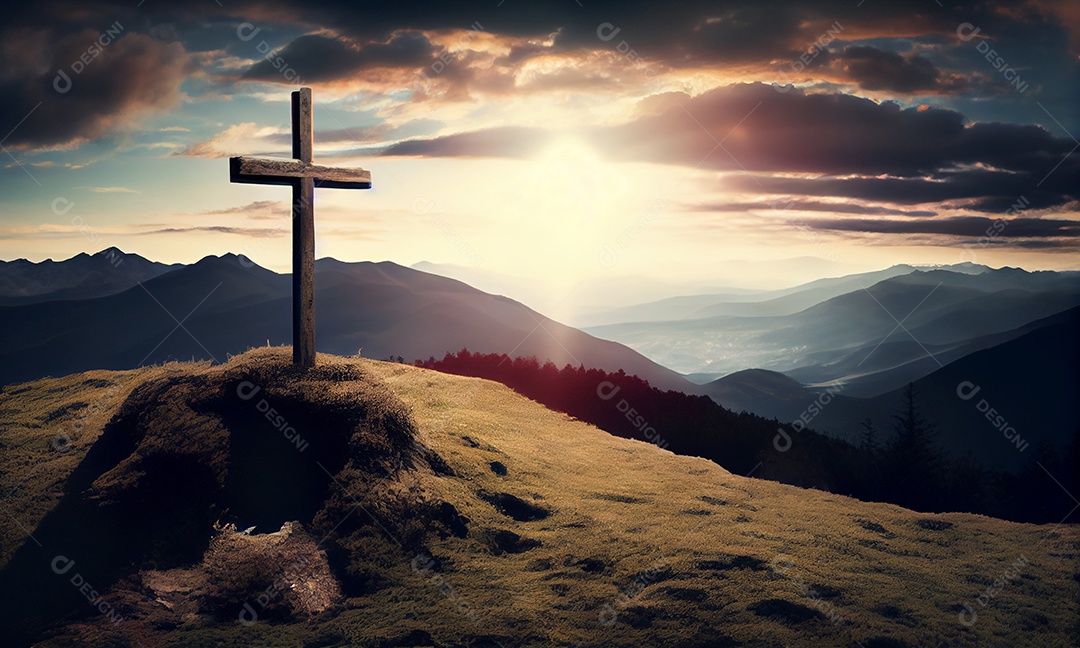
(46, 428)
(594, 540)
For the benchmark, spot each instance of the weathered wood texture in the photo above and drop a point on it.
(304, 273)
(285, 172)
(303, 177)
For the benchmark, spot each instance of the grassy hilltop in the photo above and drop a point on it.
(395, 506)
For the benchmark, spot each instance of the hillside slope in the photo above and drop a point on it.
(453, 512)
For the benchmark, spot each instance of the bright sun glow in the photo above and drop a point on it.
(569, 197)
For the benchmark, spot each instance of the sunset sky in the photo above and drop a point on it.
(706, 143)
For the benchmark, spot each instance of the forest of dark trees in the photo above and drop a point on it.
(897, 463)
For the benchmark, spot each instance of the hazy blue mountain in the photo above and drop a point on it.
(751, 303)
(862, 337)
(1031, 380)
(768, 393)
(574, 302)
(80, 277)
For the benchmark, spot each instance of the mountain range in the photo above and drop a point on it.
(829, 354)
(80, 277)
(226, 305)
(874, 337)
(1030, 380)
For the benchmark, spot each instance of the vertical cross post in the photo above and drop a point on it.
(302, 176)
(303, 213)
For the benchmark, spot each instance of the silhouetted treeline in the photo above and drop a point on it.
(903, 467)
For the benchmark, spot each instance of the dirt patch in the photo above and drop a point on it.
(616, 497)
(784, 611)
(273, 575)
(591, 565)
(934, 525)
(503, 541)
(897, 614)
(63, 411)
(695, 512)
(885, 642)
(728, 562)
(686, 594)
(514, 507)
(876, 528)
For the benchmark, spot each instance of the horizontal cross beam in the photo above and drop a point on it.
(285, 172)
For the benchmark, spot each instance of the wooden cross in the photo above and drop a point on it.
(303, 176)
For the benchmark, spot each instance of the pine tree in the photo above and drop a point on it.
(868, 444)
(912, 463)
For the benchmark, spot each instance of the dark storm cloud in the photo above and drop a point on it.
(922, 155)
(87, 83)
(346, 38)
(714, 32)
(318, 57)
(975, 190)
(875, 69)
(495, 142)
(810, 205)
(691, 34)
(687, 33)
(966, 226)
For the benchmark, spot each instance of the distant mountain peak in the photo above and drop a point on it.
(229, 258)
(112, 251)
(966, 267)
